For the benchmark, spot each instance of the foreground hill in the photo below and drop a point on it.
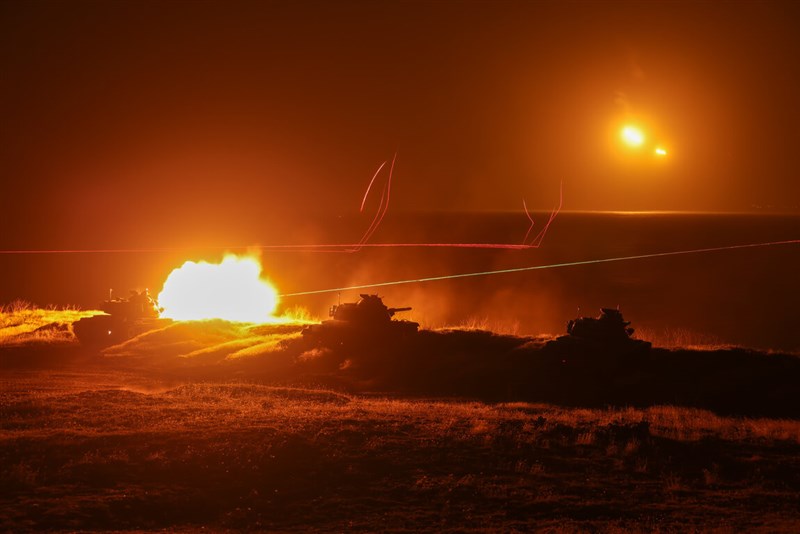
(79, 451)
(461, 363)
(227, 426)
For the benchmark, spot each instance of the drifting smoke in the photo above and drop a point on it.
(622, 102)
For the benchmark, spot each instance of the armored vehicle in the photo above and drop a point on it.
(608, 334)
(608, 327)
(368, 320)
(124, 318)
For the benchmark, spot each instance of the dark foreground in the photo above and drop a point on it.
(144, 439)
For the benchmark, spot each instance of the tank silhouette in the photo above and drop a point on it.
(365, 321)
(607, 334)
(123, 319)
(609, 327)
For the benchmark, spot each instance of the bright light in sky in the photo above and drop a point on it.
(661, 152)
(632, 136)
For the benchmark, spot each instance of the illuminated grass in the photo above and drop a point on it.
(484, 324)
(211, 339)
(245, 456)
(679, 338)
(23, 323)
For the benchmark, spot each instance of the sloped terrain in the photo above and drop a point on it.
(236, 426)
(244, 456)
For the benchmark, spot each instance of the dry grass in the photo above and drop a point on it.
(23, 323)
(298, 315)
(209, 340)
(248, 456)
(127, 441)
(673, 422)
(679, 338)
(476, 323)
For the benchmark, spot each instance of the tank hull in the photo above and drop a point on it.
(107, 330)
(606, 338)
(334, 333)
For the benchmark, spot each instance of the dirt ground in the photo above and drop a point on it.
(97, 443)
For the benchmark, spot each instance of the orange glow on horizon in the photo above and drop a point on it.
(232, 290)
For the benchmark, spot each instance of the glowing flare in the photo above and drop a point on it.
(661, 152)
(632, 136)
(231, 290)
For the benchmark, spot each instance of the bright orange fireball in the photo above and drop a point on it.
(232, 290)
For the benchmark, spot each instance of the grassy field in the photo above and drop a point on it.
(22, 323)
(78, 453)
(238, 427)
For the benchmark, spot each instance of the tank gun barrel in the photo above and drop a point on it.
(392, 311)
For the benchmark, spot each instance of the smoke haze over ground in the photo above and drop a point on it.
(209, 116)
(744, 297)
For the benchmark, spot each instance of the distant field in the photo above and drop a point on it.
(79, 453)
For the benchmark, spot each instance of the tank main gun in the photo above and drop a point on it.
(392, 311)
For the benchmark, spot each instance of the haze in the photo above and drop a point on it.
(135, 123)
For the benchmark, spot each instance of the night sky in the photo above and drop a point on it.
(144, 123)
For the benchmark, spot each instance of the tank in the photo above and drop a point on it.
(607, 334)
(124, 318)
(608, 327)
(368, 320)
